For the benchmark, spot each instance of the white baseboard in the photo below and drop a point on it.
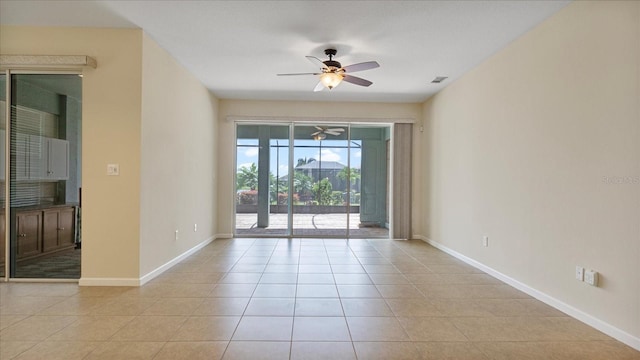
(168, 265)
(224, 236)
(108, 281)
(420, 237)
(590, 320)
(147, 277)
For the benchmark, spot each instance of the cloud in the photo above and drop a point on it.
(328, 155)
(358, 154)
(247, 165)
(252, 151)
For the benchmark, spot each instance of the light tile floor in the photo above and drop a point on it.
(298, 299)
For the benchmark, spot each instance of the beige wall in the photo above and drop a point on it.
(178, 159)
(539, 148)
(231, 110)
(145, 112)
(111, 134)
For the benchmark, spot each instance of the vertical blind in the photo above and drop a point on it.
(402, 142)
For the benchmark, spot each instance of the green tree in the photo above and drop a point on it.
(302, 185)
(304, 161)
(247, 177)
(323, 189)
(337, 198)
(276, 186)
(348, 173)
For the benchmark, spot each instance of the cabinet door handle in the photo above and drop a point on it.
(23, 235)
(60, 228)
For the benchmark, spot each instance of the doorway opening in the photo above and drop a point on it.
(312, 180)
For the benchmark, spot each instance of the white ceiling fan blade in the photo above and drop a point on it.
(332, 133)
(295, 74)
(356, 80)
(319, 87)
(315, 61)
(318, 127)
(361, 66)
(336, 129)
(316, 133)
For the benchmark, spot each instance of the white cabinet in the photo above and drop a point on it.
(37, 158)
(56, 159)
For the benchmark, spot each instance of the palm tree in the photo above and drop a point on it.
(347, 173)
(304, 161)
(247, 177)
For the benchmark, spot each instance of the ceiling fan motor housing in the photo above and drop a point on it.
(330, 63)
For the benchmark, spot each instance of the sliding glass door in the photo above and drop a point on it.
(321, 180)
(370, 178)
(321, 161)
(262, 186)
(44, 146)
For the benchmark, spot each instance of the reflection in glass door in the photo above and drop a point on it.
(45, 176)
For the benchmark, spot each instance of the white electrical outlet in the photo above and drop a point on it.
(485, 241)
(591, 277)
(195, 227)
(176, 234)
(579, 273)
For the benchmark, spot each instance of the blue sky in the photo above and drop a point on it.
(248, 155)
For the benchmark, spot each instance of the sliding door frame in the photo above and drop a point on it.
(308, 122)
(9, 71)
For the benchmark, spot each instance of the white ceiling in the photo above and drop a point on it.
(236, 47)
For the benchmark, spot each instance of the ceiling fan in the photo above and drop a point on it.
(333, 73)
(321, 134)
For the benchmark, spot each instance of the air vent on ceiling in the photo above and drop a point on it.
(438, 79)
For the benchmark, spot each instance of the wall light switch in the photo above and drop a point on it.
(591, 277)
(579, 273)
(113, 169)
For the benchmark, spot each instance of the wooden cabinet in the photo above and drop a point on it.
(43, 232)
(29, 234)
(57, 229)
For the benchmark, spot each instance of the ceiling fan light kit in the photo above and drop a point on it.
(331, 79)
(333, 73)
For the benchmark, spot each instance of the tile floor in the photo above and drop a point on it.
(297, 299)
(308, 225)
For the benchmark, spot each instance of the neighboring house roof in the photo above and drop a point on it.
(324, 165)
